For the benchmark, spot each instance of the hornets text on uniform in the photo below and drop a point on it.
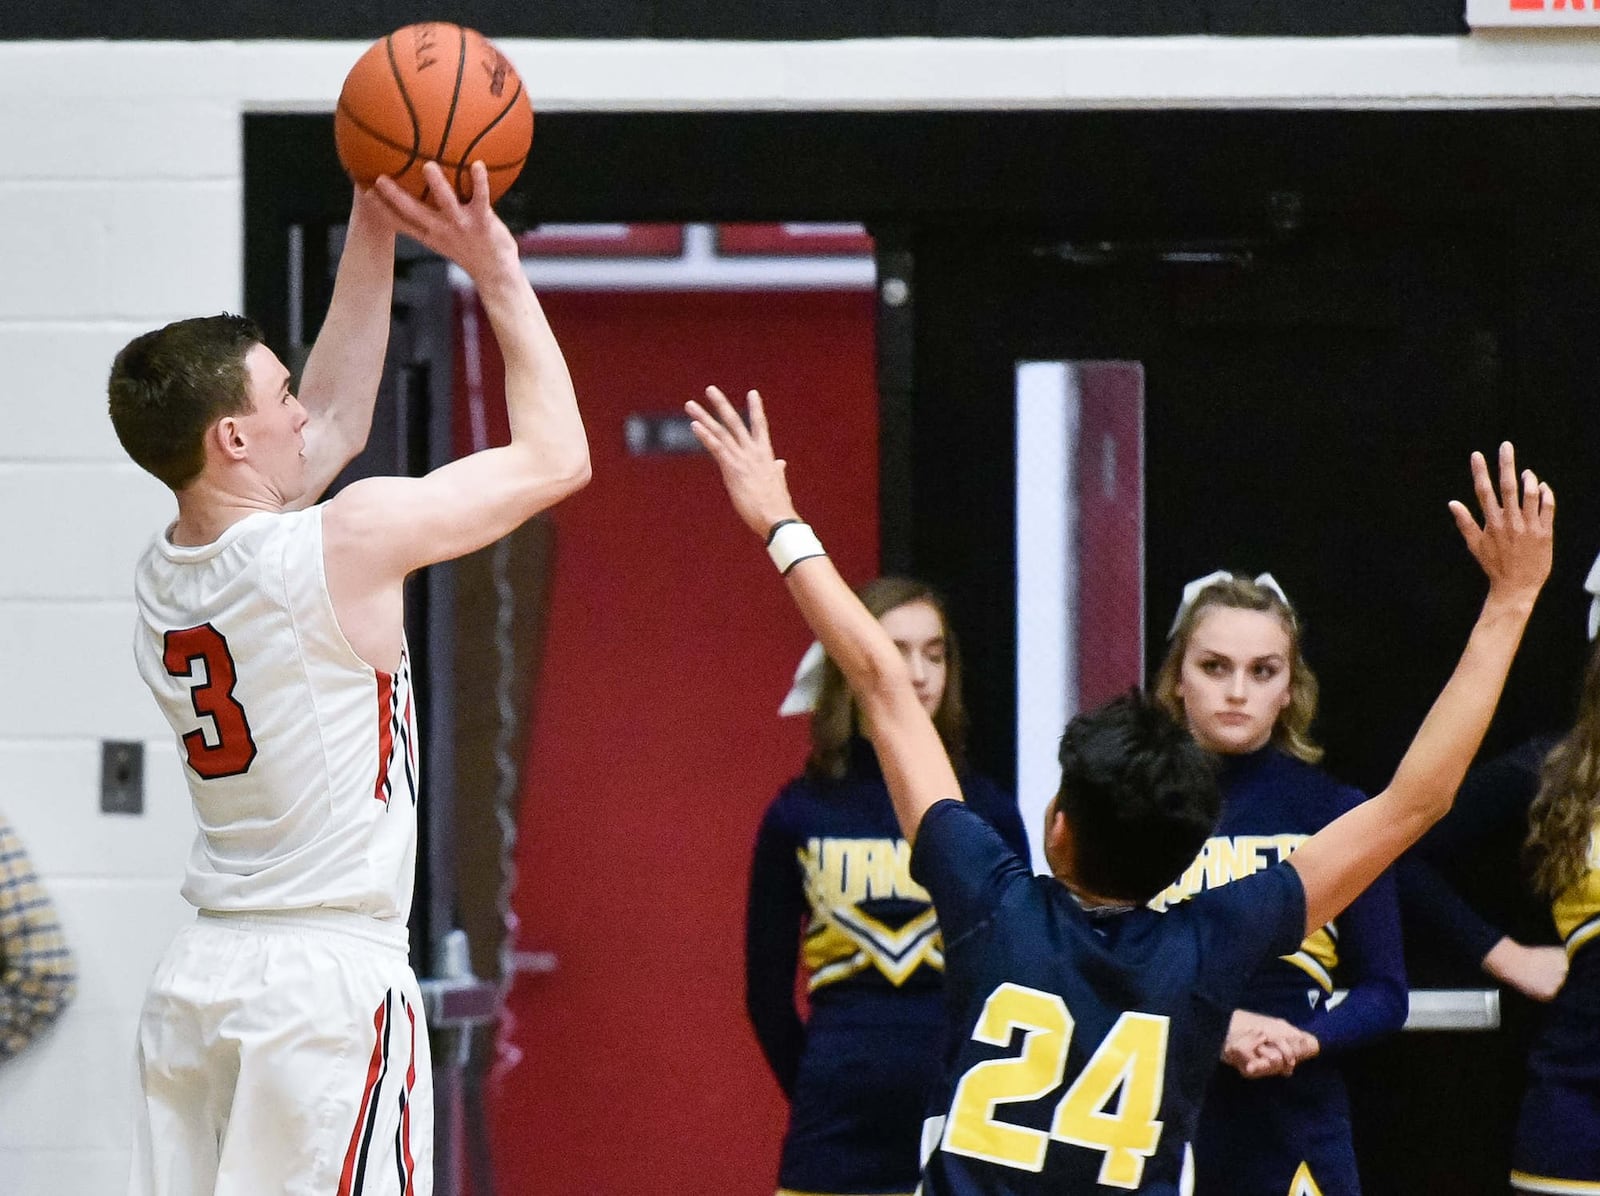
(1081, 1040)
(830, 858)
(1273, 1135)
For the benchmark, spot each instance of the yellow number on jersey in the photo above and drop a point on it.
(1130, 1061)
(972, 1129)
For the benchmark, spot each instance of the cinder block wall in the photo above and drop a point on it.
(120, 208)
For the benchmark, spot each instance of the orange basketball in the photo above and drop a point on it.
(435, 92)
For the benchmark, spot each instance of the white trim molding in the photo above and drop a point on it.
(1507, 69)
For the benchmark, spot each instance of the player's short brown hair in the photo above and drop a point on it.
(167, 387)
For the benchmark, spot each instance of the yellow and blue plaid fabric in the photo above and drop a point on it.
(37, 975)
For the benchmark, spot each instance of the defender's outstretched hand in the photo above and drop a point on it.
(1513, 546)
(915, 765)
(753, 475)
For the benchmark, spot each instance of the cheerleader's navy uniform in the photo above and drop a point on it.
(1291, 1135)
(830, 858)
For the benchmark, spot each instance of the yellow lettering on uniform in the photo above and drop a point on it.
(1255, 855)
(836, 874)
(878, 861)
(855, 870)
(1221, 862)
(1186, 886)
(1193, 878)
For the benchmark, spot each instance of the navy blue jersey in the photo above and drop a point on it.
(1079, 1044)
(831, 873)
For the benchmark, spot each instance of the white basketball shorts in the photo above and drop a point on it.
(284, 1053)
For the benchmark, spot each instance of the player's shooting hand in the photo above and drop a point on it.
(753, 475)
(369, 209)
(1513, 546)
(1536, 972)
(469, 234)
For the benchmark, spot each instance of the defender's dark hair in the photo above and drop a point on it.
(1139, 795)
(168, 386)
(836, 719)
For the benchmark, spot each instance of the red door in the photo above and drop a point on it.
(655, 745)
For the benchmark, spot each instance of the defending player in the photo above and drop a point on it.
(281, 1045)
(1083, 1027)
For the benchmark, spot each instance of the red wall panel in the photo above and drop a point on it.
(655, 744)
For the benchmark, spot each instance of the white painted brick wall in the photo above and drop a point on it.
(118, 212)
(120, 208)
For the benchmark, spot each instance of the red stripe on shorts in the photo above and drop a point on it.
(405, 1112)
(373, 1070)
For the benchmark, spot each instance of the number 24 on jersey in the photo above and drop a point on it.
(1130, 1061)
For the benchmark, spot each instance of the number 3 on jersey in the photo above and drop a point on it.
(231, 749)
(1132, 1060)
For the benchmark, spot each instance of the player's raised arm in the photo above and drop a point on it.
(390, 526)
(1513, 548)
(339, 385)
(915, 766)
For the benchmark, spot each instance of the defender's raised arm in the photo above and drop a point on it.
(915, 766)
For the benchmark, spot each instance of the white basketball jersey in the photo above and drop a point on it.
(301, 758)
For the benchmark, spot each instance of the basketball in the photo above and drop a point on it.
(433, 92)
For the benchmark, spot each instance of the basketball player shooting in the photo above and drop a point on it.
(281, 1045)
(1087, 1024)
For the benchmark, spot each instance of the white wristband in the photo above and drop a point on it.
(792, 542)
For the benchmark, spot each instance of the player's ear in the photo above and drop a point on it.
(227, 438)
(1058, 842)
